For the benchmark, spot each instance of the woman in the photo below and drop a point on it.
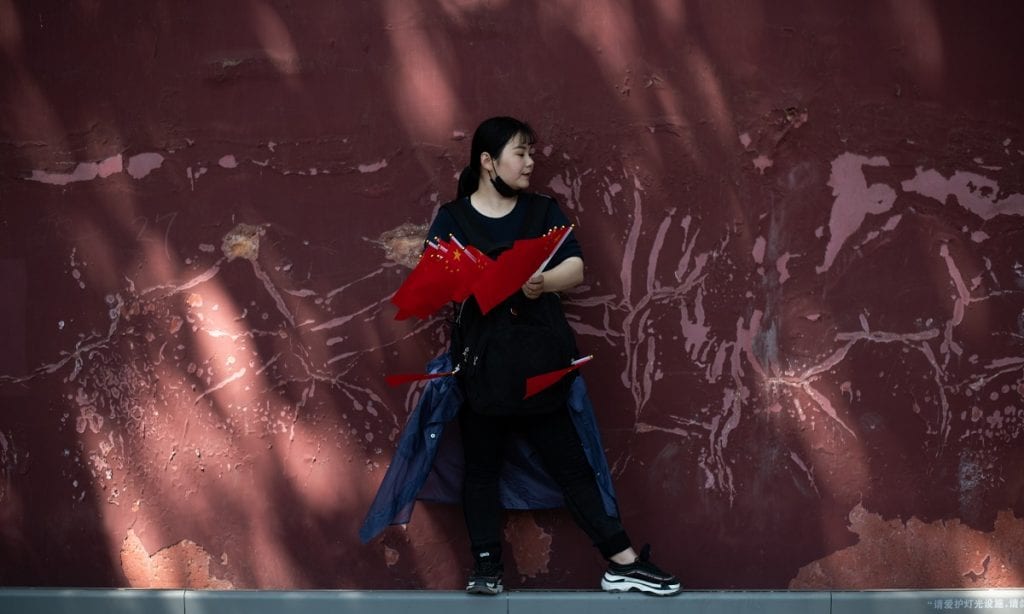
(492, 204)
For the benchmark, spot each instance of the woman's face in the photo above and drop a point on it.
(515, 163)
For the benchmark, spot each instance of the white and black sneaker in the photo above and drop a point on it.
(641, 575)
(486, 578)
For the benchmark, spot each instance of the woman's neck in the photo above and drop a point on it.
(488, 202)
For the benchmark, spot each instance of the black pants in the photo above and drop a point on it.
(554, 437)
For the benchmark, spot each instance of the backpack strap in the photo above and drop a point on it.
(465, 217)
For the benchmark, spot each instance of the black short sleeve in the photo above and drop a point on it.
(443, 227)
(571, 246)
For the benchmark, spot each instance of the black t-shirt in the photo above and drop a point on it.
(505, 229)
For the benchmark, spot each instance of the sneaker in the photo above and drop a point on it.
(641, 575)
(486, 578)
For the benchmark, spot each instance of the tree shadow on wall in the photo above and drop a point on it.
(236, 295)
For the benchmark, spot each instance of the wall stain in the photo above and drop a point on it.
(404, 244)
(242, 241)
(530, 544)
(915, 554)
(182, 565)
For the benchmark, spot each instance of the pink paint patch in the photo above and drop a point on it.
(228, 161)
(978, 236)
(892, 222)
(813, 317)
(111, 166)
(143, 164)
(780, 266)
(695, 332)
(745, 140)
(976, 193)
(373, 168)
(762, 162)
(758, 251)
(85, 171)
(855, 199)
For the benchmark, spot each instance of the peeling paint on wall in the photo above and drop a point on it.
(181, 565)
(243, 241)
(916, 554)
(404, 244)
(855, 199)
(138, 166)
(531, 545)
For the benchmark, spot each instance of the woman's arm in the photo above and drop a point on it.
(568, 274)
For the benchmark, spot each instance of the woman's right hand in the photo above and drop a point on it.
(534, 286)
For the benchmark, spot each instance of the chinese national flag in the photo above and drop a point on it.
(427, 288)
(538, 383)
(466, 264)
(515, 266)
(446, 272)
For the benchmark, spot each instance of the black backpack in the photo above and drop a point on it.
(519, 338)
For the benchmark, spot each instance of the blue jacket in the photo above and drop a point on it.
(428, 463)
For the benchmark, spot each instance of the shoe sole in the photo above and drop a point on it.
(620, 584)
(483, 589)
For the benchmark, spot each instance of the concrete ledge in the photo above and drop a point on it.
(137, 601)
(919, 602)
(341, 602)
(704, 602)
(90, 601)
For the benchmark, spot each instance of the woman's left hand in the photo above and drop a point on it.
(534, 286)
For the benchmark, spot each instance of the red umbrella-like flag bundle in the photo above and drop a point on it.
(449, 271)
(446, 272)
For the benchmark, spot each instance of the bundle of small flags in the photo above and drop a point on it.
(450, 271)
(446, 272)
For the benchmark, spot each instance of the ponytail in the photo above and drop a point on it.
(469, 181)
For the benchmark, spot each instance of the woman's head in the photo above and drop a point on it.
(489, 142)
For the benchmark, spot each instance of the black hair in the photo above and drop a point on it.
(491, 136)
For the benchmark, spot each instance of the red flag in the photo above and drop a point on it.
(514, 267)
(466, 264)
(446, 272)
(405, 378)
(427, 288)
(538, 383)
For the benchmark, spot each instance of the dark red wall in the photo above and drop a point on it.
(802, 224)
